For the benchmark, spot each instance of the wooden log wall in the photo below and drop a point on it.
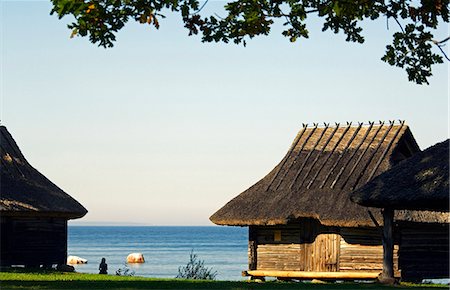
(280, 257)
(277, 247)
(33, 241)
(357, 257)
(311, 247)
(361, 250)
(424, 251)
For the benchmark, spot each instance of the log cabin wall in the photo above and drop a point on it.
(309, 246)
(278, 248)
(33, 241)
(424, 251)
(361, 250)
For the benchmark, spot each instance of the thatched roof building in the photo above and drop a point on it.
(302, 223)
(33, 211)
(420, 182)
(315, 178)
(25, 191)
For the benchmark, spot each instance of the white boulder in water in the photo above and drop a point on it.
(135, 258)
(72, 260)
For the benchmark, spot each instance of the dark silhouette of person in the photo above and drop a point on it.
(103, 267)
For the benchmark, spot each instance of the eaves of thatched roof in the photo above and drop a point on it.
(420, 182)
(315, 178)
(24, 191)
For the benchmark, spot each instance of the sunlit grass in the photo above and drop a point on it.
(55, 280)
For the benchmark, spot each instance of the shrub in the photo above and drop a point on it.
(196, 269)
(125, 271)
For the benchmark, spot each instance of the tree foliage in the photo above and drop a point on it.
(413, 48)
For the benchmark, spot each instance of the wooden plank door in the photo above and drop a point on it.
(323, 254)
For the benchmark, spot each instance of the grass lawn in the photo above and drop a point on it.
(56, 280)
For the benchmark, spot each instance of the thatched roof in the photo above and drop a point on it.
(26, 192)
(315, 178)
(420, 182)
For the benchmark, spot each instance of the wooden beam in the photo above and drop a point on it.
(329, 155)
(387, 276)
(299, 171)
(355, 150)
(386, 150)
(312, 275)
(341, 155)
(357, 162)
(372, 156)
(252, 246)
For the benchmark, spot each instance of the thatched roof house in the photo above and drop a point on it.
(25, 191)
(301, 220)
(420, 182)
(33, 210)
(315, 178)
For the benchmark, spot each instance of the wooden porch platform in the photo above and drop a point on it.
(311, 275)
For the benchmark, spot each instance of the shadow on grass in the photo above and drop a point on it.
(189, 284)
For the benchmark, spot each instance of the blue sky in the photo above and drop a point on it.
(163, 129)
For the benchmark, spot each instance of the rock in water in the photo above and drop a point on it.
(135, 258)
(71, 260)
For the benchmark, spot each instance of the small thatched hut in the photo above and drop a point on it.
(301, 221)
(418, 183)
(33, 211)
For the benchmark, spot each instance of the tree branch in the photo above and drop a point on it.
(440, 44)
(399, 24)
(437, 42)
(201, 8)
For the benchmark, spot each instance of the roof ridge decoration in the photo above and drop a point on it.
(342, 153)
(326, 126)
(371, 156)
(320, 153)
(299, 171)
(331, 152)
(402, 123)
(354, 153)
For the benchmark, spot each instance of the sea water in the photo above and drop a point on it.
(224, 249)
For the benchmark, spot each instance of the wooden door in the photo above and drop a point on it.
(323, 254)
